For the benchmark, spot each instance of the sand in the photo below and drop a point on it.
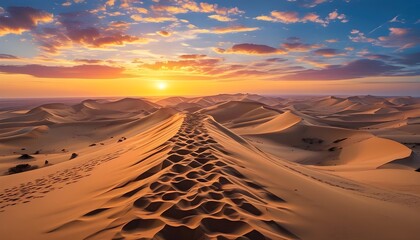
(236, 166)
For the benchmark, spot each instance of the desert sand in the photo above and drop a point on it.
(229, 166)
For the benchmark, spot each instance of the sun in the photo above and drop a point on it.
(161, 85)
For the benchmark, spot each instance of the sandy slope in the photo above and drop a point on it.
(234, 170)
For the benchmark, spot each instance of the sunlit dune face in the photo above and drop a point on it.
(161, 85)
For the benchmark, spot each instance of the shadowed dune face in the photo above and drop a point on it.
(219, 167)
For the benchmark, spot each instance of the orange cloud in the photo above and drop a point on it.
(83, 28)
(203, 7)
(17, 20)
(221, 18)
(79, 71)
(277, 16)
(119, 25)
(331, 40)
(169, 9)
(312, 17)
(139, 18)
(141, 10)
(198, 64)
(110, 2)
(192, 56)
(164, 33)
(233, 29)
(311, 61)
(89, 61)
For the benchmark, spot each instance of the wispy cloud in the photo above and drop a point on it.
(328, 52)
(234, 29)
(7, 56)
(294, 44)
(250, 49)
(221, 18)
(355, 69)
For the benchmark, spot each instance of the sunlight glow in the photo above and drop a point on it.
(161, 85)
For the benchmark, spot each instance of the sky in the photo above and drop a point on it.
(185, 47)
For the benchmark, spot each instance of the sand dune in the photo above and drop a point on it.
(239, 167)
(207, 101)
(236, 113)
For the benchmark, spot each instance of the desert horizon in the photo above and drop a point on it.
(209, 120)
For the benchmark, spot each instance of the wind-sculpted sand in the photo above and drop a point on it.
(235, 169)
(194, 193)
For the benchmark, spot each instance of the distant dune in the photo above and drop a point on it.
(238, 166)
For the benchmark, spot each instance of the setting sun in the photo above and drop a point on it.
(161, 85)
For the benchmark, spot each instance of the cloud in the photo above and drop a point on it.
(233, 29)
(141, 10)
(293, 17)
(283, 17)
(86, 30)
(169, 9)
(312, 17)
(184, 6)
(192, 56)
(191, 63)
(314, 61)
(308, 3)
(411, 59)
(139, 18)
(110, 3)
(7, 56)
(164, 33)
(357, 36)
(355, 69)
(89, 61)
(250, 49)
(401, 38)
(294, 44)
(221, 18)
(276, 60)
(335, 15)
(377, 56)
(79, 71)
(331, 40)
(328, 52)
(17, 20)
(119, 25)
